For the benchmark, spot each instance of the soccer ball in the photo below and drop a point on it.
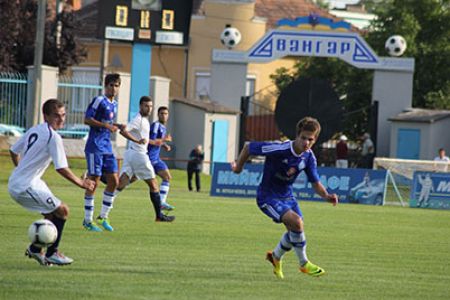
(230, 37)
(42, 233)
(395, 45)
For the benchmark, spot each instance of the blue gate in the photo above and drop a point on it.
(219, 142)
(77, 93)
(408, 143)
(13, 100)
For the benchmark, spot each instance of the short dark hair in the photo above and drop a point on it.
(308, 124)
(441, 149)
(50, 105)
(145, 99)
(162, 108)
(114, 77)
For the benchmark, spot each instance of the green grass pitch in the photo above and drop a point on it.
(216, 247)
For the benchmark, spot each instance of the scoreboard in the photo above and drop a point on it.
(157, 22)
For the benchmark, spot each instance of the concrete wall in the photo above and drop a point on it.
(393, 91)
(159, 91)
(228, 94)
(188, 131)
(49, 89)
(440, 138)
(124, 107)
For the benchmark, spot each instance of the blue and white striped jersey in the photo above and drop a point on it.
(282, 166)
(105, 111)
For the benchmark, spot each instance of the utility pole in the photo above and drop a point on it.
(35, 107)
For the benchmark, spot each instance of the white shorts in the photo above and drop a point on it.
(138, 164)
(36, 198)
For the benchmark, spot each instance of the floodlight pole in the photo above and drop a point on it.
(35, 107)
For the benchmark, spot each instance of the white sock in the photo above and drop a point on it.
(107, 204)
(283, 246)
(88, 208)
(164, 191)
(298, 241)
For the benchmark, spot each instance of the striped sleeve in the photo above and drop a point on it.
(311, 169)
(268, 148)
(154, 130)
(93, 108)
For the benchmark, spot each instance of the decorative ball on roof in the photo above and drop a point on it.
(395, 45)
(230, 37)
(313, 19)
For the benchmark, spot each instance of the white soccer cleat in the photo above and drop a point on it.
(37, 256)
(58, 258)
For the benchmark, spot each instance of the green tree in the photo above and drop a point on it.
(425, 25)
(18, 32)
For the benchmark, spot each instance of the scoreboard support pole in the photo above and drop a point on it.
(140, 75)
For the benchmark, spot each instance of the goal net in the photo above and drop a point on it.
(400, 175)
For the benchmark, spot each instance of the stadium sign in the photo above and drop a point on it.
(351, 185)
(430, 190)
(347, 46)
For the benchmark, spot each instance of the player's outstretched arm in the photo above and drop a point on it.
(322, 192)
(237, 165)
(86, 183)
(128, 136)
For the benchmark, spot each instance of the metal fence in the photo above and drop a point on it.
(257, 122)
(13, 99)
(76, 93)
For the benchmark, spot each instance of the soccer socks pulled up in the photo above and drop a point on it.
(164, 190)
(156, 201)
(283, 246)
(107, 204)
(88, 209)
(59, 224)
(298, 241)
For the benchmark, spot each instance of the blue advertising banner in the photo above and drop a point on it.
(430, 190)
(351, 185)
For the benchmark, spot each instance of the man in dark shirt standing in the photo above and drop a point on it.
(194, 166)
(342, 153)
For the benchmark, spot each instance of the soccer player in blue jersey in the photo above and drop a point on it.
(158, 139)
(284, 162)
(100, 116)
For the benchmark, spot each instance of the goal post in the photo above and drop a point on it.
(400, 174)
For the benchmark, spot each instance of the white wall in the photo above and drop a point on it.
(159, 91)
(49, 89)
(235, 75)
(440, 138)
(123, 107)
(188, 130)
(393, 90)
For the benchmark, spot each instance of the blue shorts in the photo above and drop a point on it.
(159, 165)
(99, 163)
(275, 207)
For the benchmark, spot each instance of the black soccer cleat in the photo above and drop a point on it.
(165, 218)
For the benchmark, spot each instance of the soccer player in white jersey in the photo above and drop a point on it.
(283, 164)
(136, 163)
(31, 155)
